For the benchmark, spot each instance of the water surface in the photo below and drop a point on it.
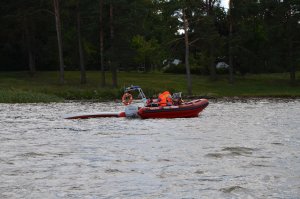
(241, 149)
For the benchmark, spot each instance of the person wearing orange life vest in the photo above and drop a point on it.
(165, 99)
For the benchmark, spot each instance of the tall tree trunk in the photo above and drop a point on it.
(59, 40)
(291, 63)
(101, 43)
(29, 42)
(213, 72)
(112, 61)
(212, 67)
(231, 78)
(289, 32)
(81, 58)
(187, 65)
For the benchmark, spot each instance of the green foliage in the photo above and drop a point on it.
(148, 52)
(266, 34)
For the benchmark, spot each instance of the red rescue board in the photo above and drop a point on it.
(95, 115)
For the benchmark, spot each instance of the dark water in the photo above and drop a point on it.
(236, 149)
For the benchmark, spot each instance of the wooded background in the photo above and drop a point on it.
(251, 36)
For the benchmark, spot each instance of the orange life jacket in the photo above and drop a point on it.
(165, 99)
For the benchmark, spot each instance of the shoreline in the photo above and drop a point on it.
(212, 99)
(17, 87)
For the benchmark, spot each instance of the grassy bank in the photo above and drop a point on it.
(18, 87)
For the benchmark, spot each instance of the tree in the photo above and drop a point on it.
(186, 40)
(179, 13)
(101, 35)
(112, 61)
(265, 36)
(230, 42)
(29, 37)
(80, 49)
(262, 36)
(21, 14)
(209, 4)
(59, 39)
(291, 11)
(148, 53)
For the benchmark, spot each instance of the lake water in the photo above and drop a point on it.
(234, 149)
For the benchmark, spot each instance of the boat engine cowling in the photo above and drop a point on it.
(131, 111)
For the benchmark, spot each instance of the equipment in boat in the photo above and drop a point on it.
(151, 108)
(127, 96)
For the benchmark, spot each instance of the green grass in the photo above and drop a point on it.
(18, 87)
(10, 96)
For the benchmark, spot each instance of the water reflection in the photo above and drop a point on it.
(240, 149)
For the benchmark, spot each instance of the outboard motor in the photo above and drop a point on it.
(131, 111)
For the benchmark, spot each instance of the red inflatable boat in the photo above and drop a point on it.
(179, 109)
(185, 110)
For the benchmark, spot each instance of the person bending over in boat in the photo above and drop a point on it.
(165, 99)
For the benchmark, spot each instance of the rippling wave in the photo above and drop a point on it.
(234, 149)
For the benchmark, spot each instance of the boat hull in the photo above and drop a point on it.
(186, 110)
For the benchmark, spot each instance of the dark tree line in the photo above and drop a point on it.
(251, 36)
